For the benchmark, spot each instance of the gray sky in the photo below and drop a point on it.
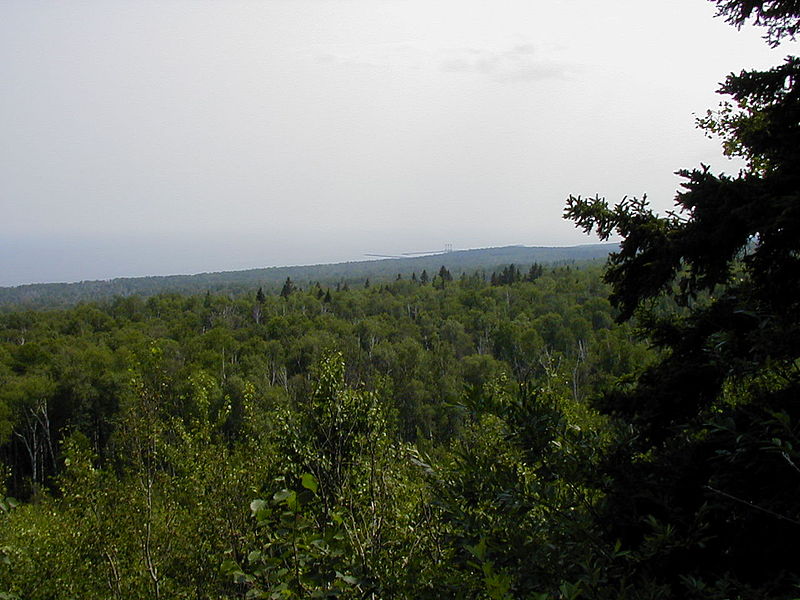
(146, 138)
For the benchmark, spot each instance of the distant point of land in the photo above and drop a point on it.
(271, 278)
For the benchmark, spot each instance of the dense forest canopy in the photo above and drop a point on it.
(139, 434)
(538, 432)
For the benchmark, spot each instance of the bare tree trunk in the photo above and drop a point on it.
(580, 359)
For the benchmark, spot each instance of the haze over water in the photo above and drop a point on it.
(145, 138)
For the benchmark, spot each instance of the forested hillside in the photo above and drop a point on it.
(403, 440)
(50, 295)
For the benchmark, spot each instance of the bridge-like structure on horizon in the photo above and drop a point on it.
(447, 249)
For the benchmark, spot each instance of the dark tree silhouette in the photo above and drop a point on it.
(711, 459)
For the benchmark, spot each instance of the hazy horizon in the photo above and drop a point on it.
(110, 263)
(146, 138)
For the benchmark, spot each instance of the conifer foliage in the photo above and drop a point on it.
(716, 284)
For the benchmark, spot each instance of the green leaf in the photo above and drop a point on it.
(282, 495)
(310, 482)
(478, 550)
(348, 579)
(256, 506)
(229, 566)
(287, 497)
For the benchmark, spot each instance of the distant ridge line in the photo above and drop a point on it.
(457, 261)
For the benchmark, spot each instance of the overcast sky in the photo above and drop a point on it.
(146, 138)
